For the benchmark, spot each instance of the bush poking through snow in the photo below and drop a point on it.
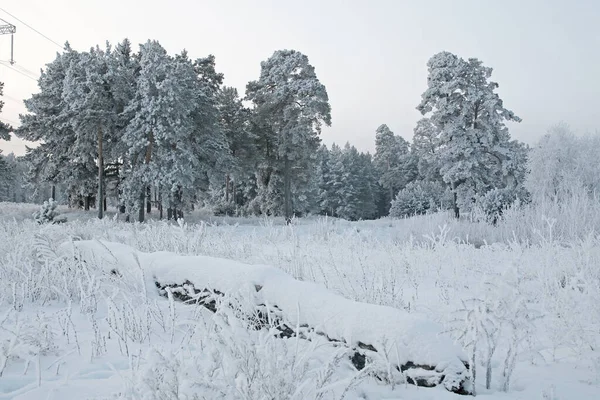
(419, 197)
(500, 317)
(496, 201)
(225, 358)
(47, 213)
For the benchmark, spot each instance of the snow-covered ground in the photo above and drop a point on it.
(73, 330)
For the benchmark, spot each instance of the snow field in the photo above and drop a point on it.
(82, 328)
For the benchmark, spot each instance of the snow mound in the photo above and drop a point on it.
(409, 342)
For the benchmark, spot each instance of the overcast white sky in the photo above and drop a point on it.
(371, 55)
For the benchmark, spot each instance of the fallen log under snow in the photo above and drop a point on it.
(411, 343)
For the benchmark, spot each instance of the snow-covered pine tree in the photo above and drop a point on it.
(212, 143)
(333, 185)
(424, 147)
(386, 156)
(210, 79)
(323, 158)
(18, 190)
(7, 178)
(123, 73)
(305, 186)
(49, 121)
(5, 128)
(208, 141)
(349, 186)
(368, 189)
(268, 198)
(394, 162)
(290, 106)
(358, 178)
(46, 213)
(6, 175)
(173, 137)
(234, 123)
(553, 163)
(349, 191)
(156, 113)
(89, 98)
(474, 143)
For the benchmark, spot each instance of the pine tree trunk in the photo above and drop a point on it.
(147, 159)
(233, 196)
(287, 190)
(160, 205)
(227, 188)
(148, 200)
(488, 374)
(455, 202)
(141, 213)
(170, 209)
(105, 203)
(120, 203)
(178, 212)
(86, 203)
(53, 194)
(474, 367)
(100, 176)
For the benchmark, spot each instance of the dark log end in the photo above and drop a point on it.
(359, 360)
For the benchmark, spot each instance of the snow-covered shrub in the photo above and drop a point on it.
(562, 163)
(46, 213)
(25, 338)
(496, 201)
(216, 202)
(223, 356)
(501, 317)
(572, 218)
(222, 207)
(303, 369)
(419, 197)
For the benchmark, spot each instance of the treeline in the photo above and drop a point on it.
(144, 130)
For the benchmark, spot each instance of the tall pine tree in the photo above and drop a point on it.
(474, 143)
(395, 164)
(290, 106)
(64, 156)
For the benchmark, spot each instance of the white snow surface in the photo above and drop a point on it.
(405, 336)
(74, 331)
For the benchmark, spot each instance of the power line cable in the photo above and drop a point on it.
(27, 71)
(18, 71)
(14, 100)
(33, 29)
(10, 121)
(8, 96)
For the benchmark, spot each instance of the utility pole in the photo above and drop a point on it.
(9, 29)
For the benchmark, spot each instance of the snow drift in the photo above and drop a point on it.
(380, 336)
